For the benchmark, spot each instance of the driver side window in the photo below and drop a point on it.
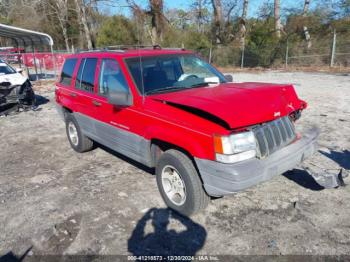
(111, 77)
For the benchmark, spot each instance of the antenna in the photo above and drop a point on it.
(140, 61)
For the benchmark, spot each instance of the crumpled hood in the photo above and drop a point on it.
(14, 79)
(238, 104)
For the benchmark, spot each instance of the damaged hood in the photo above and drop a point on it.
(237, 104)
(14, 79)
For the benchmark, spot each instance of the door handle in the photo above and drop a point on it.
(73, 94)
(96, 103)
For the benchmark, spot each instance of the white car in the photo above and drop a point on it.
(14, 87)
(9, 74)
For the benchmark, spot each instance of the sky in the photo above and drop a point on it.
(252, 7)
(185, 4)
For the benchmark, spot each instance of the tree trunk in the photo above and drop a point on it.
(306, 31)
(242, 25)
(65, 35)
(278, 25)
(157, 21)
(199, 16)
(306, 7)
(217, 7)
(62, 11)
(139, 16)
(82, 18)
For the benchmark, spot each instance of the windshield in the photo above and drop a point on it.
(5, 69)
(167, 73)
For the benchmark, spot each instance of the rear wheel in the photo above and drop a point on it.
(78, 141)
(179, 183)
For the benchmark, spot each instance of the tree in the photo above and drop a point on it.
(156, 14)
(218, 20)
(157, 20)
(82, 17)
(278, 25)
(242, 24)
(199, 10)
(306, 31)
(59, 9)
(116, 30)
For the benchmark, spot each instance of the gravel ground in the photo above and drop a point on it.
(61, 202)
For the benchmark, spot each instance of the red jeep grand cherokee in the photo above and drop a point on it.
(170, 110)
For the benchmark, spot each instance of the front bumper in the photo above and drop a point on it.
(222, 179)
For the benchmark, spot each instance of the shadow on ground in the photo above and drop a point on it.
(10, 257)
(14, 108)
(303, 178)
(40, 100)
(147, 169)
(341, 158)
(164, 241)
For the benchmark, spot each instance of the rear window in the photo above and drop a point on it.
(67, 71)
(86, 74)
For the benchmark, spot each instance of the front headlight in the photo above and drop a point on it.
(235, 148)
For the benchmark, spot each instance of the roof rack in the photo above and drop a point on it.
(123, 48)
(128, 47)
(78, 50)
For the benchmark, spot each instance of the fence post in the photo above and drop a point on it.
(333, 47)
(210, 50)
(242, 55)
(287, 51)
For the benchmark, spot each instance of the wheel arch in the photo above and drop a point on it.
(65, 111)
(158, 147)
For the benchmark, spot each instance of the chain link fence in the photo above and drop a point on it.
(38, 65)
(333, 51)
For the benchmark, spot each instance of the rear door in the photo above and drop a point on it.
(85, 87)
(65, 93)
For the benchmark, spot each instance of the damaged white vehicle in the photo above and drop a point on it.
(15, 88)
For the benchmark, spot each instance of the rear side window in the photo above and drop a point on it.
(86, 74)
(67, 71)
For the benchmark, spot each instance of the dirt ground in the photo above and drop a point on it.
(60, 202)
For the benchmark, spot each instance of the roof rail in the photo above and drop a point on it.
(78, 50)
(123, 48)
(128, 47)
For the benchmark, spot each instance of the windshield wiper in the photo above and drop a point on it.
(202, 84)
(166, 89)
(176, 88)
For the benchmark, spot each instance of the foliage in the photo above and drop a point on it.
(262, 44)
(116, 30)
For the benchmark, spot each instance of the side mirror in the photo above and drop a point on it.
(19, 70)
(121, 98)
(228, 78)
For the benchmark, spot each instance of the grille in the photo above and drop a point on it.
(274, 135)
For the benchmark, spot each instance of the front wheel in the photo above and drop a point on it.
(179, 183)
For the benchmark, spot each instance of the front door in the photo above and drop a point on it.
(117, 126)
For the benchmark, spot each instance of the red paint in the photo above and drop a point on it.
(238, 104)
(242, 104)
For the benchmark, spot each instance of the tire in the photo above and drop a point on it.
(195, 197)
(82, 142)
